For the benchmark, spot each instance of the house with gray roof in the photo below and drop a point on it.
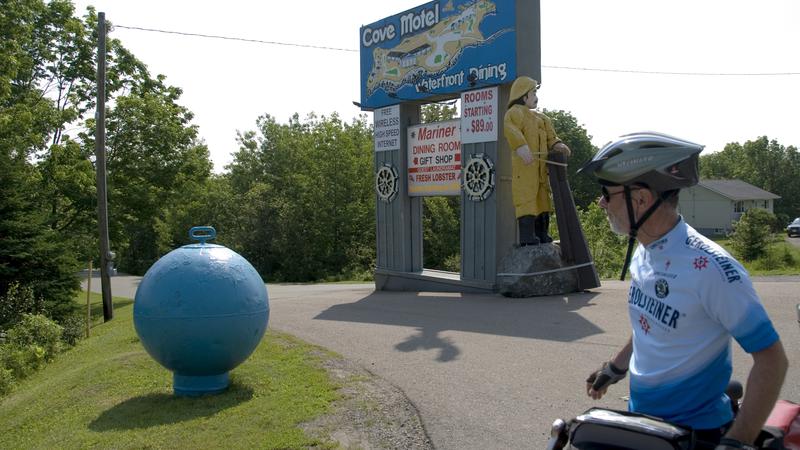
(712, 206)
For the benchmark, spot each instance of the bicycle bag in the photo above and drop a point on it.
(605, 429)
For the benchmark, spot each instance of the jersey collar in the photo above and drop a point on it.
(676, 234)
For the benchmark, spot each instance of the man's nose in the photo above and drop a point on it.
(601, 202)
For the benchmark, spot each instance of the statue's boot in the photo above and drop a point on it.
(527, 231)
(542, 225)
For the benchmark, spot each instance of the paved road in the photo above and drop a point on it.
(486, 371)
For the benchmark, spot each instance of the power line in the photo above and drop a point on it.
(587, 69)
(653, 72)
(229, 38)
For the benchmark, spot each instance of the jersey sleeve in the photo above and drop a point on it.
(732, 301)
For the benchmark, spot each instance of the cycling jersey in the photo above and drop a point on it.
(687, 298)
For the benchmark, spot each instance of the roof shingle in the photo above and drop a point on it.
(737, 190)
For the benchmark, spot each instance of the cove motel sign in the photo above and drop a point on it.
(443, 50)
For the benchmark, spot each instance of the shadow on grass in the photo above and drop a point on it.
(164, 409)
(97, 308)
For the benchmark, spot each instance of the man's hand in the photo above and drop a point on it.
(598, 382)
(562, 148)
(525, 153)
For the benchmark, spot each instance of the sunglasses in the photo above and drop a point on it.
(607, 195)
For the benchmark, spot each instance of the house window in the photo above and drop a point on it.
(739, 207)
(766, 204)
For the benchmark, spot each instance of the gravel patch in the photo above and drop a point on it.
(371, 413)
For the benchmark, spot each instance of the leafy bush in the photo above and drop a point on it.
(74, 329)
(21, 361)
(18, 300)
(453, 263)
(606, 247)
(778, 256)
(781, 221)
(6, 381)
(29, 344)
(362, 275)
(787, 258)
(36, 333)
(751, 234)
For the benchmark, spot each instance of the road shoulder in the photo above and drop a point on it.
(371, 413)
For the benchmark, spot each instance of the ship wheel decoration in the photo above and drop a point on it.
(478, 178)
(386, 183)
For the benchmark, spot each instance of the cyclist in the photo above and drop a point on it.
(687, 298)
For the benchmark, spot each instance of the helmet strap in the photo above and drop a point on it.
(635, 225)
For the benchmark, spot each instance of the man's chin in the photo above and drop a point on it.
(615, 229)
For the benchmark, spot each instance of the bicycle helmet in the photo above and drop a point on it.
(658, 161)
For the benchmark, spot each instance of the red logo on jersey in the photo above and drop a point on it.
(644, 324)
(701, 262)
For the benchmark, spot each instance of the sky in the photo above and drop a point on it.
(587, 47)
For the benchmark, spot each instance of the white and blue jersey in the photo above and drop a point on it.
(687, 298)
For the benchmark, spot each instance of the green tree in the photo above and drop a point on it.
(751, 234)
(54, 87)
(154, 158)
(32, 253)
(437, 112)
(584, 189)
(304, 199)
(68, 192)
(204, 202)
(47, 196)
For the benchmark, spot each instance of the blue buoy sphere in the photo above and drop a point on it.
(200, 311)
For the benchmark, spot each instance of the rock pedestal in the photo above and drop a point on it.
(519, 273)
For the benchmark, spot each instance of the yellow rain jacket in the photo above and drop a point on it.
(530, 186)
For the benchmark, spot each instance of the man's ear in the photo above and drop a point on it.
(643, 197)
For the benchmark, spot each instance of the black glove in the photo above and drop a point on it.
(606, 376)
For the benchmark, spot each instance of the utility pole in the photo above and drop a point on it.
(89, 300)
(106, 258)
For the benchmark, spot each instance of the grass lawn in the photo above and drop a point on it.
(782, 258)
(108, 393)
